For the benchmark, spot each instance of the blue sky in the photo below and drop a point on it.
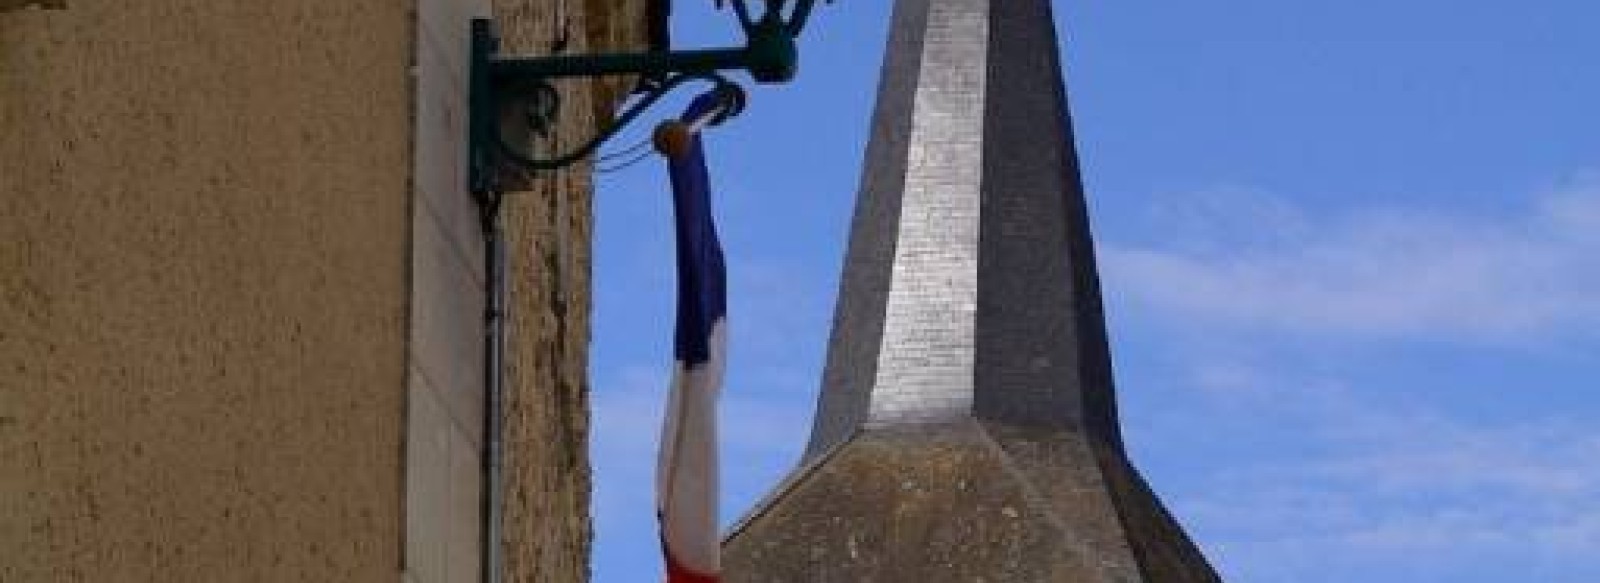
(1351, 253)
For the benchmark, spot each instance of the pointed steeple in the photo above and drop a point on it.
(970, 288)
(967, 426)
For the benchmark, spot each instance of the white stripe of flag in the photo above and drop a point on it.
(686, 472)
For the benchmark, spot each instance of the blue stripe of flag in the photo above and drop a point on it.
(702, 275)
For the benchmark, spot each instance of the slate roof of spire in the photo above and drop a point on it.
(967, 426)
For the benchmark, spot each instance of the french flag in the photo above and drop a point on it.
(686, 472)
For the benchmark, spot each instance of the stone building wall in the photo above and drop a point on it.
(549, 231)
(210, 312)
(547, 527)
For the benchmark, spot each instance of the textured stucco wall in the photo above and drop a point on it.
(207, 293)
(203, 258)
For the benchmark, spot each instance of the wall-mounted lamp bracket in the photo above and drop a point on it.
(513, 98)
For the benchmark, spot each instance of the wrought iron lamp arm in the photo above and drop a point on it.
(742, 10)
(801, 14)
(509, 69)
(733, 96)
(769, 55)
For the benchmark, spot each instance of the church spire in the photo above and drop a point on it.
(967, 428)
(969, 288)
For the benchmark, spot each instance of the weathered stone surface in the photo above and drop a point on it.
(963, 502)
(967, 427)
(8, 5)
(930, 503)
(1093, 488)
(548, 529)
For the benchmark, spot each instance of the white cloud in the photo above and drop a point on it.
(1355, 484)
(1244, 259)
(1319, 479)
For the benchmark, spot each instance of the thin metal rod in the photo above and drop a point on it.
(695, 61)
(494, 319)
(507, 152)
(742, 10)
(802, 13)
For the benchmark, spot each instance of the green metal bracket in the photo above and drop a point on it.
(516, 93)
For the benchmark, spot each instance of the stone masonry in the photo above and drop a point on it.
(546, 468)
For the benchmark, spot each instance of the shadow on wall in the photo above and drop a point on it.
(9, 5)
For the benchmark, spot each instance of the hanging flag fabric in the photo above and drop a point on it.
(687, 473)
